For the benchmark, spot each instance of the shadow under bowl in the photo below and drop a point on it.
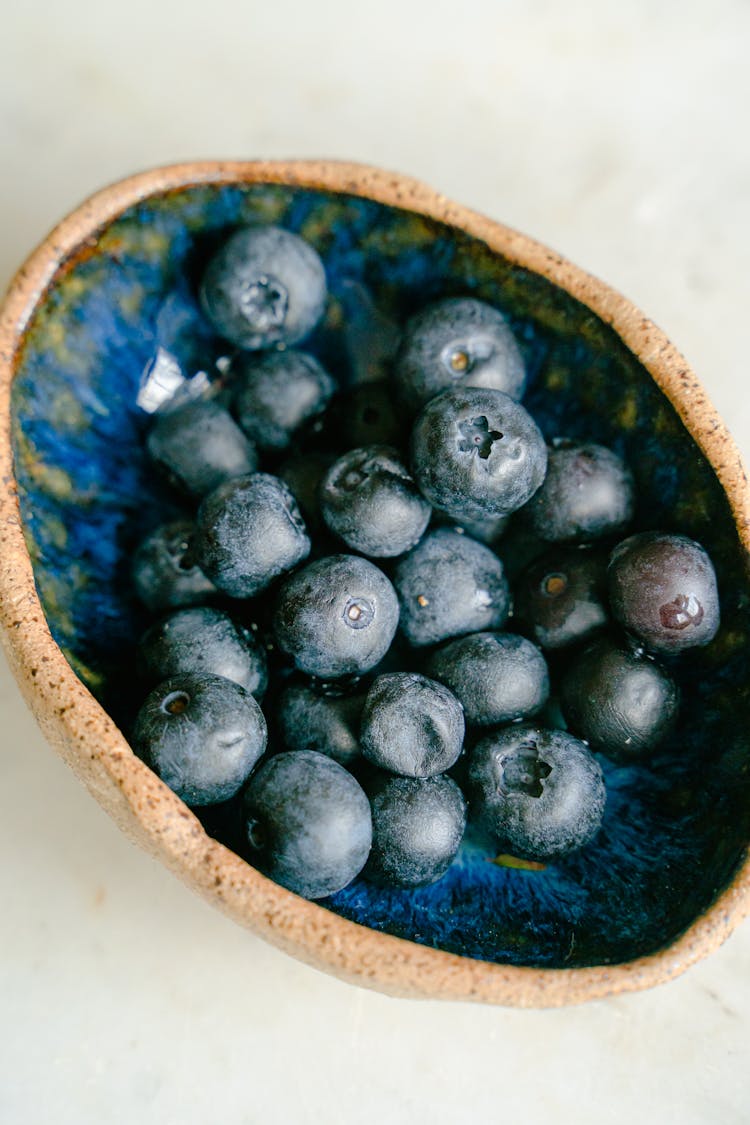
(666, 879)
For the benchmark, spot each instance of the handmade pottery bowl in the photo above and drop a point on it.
(667, 878)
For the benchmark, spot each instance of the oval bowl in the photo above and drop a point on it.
(667, 878)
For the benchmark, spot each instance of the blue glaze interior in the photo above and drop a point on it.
(674, 832)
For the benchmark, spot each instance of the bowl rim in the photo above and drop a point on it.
(154, 817)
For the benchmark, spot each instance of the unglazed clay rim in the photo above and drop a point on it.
(85, 736)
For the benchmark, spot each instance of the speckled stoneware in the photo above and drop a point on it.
(666, 879)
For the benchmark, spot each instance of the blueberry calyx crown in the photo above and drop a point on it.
(523, 771)
(457, 359)
(681, 613)
(358, 613)
(264, 303)
(351, 479)
(176, 702)
(477, 435)
(554, 584)
(178, 547)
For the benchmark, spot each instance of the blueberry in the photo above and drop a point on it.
(497, 677)
(164, 574)
(587, 493)
(336, 617)
(321, 721)
(619, 701)
(369, 499)
(476, 454)
(308, 823)
(366, 415)
(202, 735)
(200, 446)
(541, 792)
(460, 342)
(450, 585)
(662, 588)
(265, 286)
(204, 640)
(562, 597)
(248, 532)
(411, 725)
(417, 827)
(277, 393)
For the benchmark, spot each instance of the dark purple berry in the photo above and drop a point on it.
(302, 473)
(587, 493)
(621, 702)
(662, 589)
(366, 415)
(562, 597)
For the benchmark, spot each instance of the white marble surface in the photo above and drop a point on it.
(616, 133)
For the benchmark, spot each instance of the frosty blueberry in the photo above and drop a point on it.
(369, 499)
(450, 585)
(541, 792)
(265, 286)
(336, 617)
(202, 639)
(411, 725)
(202, 735)
(458, 341)
(417, 827)
(476, 454)
(307, 823)
(497, 677)
(277, 393)
(248, 532)
(200, 446)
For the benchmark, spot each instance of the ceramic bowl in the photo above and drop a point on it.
(667, 878)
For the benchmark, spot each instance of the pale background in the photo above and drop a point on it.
(618, 134)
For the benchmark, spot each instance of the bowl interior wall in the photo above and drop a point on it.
(674, 832)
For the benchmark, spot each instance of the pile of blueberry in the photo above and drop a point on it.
(341, 564)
